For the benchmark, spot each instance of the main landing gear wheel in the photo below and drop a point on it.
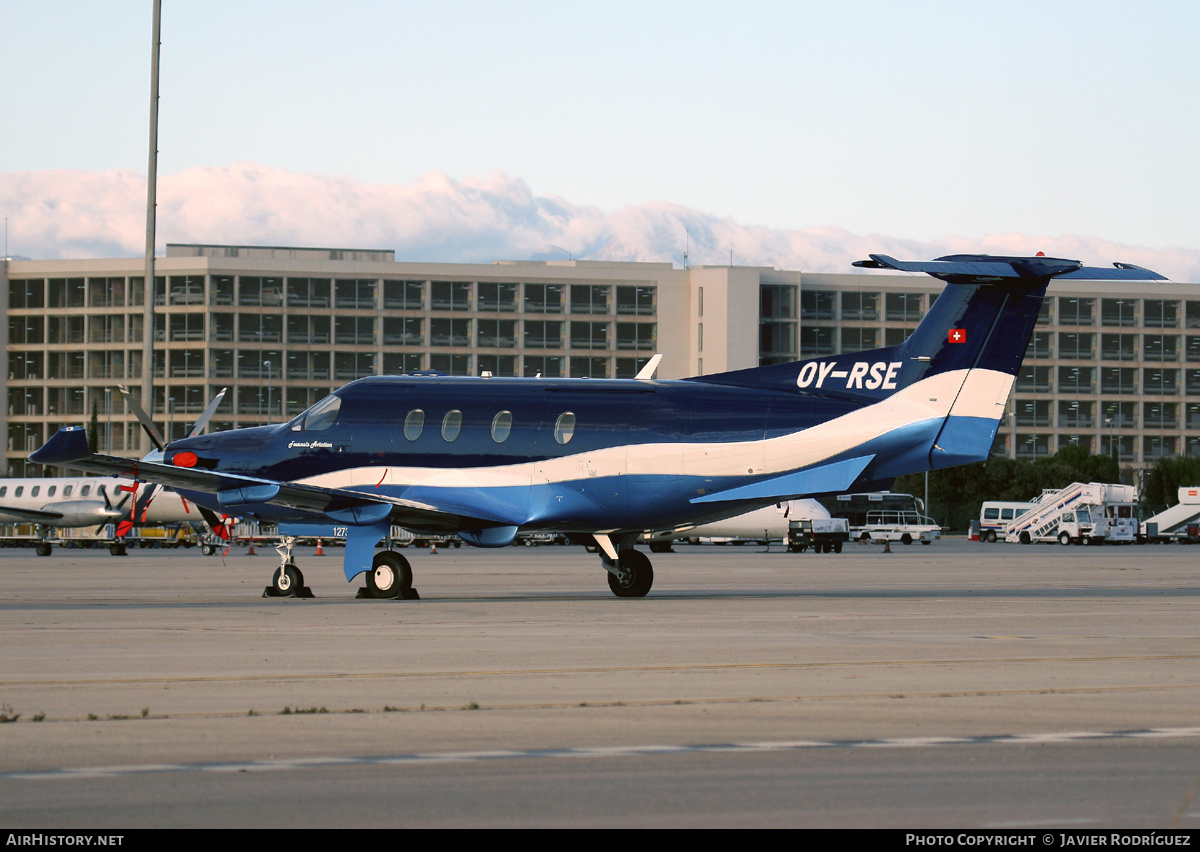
(43, 549)
(390, 576)
(207, 549)
(639, 575)
(117, 548)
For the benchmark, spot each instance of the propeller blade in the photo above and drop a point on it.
(143, 418)
(217, 525)
(142, 505)
(202, 422)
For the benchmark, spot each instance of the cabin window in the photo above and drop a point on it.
(85, 490)
(67, 489)
(323, 415)
(501, 426)
(50, 491)
(414, 423)
(33, 492)
(564, 427)
(20, 490)
(451, 424)
(3, 490)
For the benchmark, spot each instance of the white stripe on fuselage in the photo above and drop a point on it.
(974, 393)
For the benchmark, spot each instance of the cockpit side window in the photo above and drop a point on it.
(322, 415)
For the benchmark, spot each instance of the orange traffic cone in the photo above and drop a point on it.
(887, 546)
(433, 548)
(320, 550)
(250, 552)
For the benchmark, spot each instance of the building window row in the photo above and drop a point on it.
(338, 294)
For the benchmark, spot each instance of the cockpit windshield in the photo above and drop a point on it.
(321, 416)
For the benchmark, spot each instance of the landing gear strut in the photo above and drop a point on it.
(287, 581)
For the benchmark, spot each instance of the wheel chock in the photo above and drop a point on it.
(301, 592)
(364, 593)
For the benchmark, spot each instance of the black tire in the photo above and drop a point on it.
(1064, 538)
(660, 546)
(116, 549)
(390, 575)
(639, 579)
(926, 541)
(991, 536)
(43, 549)
(906, 539)
(837, 547)
(1025, 538)
(287, 580)
(208, 549)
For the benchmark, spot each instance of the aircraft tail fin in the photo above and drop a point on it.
(983, 319)
(973, 338)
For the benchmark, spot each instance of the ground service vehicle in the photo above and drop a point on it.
(823, 535)
(996, 515)
(1081, 513)
(885, 516)
(1179, 523)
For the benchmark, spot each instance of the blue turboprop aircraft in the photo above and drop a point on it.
(607, 460)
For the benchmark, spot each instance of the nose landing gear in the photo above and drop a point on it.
(287, 581)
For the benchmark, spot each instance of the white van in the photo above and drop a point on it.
(995, 516)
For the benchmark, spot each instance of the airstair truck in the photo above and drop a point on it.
(1179, 523)
(1081, 513)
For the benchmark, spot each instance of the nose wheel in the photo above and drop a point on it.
(288, 580)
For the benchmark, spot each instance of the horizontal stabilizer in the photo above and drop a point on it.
(982, 267)
(823, 479)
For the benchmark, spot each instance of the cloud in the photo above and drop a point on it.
(72, 214)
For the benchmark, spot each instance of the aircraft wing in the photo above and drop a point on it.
(32, 515)
(236, 492)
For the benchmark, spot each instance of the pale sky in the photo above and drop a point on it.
(919, 121)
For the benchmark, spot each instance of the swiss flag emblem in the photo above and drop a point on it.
(957, 335)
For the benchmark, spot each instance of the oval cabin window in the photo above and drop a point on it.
(564, 427)
(451, 425)
(501, 426)
(414, 424)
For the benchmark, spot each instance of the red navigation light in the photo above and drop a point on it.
(185, 459)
